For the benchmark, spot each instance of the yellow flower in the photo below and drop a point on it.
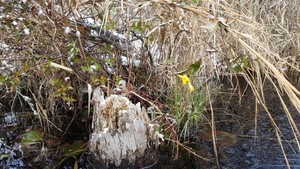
(186, 80)
(191, 87)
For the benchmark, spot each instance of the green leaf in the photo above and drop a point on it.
(110, 61)
(57, 94)
(229, 53)
(194, 2)
(234, 67)
(68, 86)
(85, 68)
(245, 62)
(108, 47)
(138, 27)
(90, 59)
(194, 67)
(2, 79)
(4, 156)
(31, 137)
(51, 59)
(237, 69)
(17, 38)
(70, 99)
(77, 148)
(55, 81)
(73, 50)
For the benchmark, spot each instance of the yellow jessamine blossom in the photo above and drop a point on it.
(191, 87)
(186, 80)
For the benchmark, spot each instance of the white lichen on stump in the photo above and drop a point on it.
(120, 129)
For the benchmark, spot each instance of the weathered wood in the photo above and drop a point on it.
(120, 130)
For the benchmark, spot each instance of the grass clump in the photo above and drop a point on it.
(50, 56)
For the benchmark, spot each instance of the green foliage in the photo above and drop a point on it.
(72, 52)
(188, 108)
(194, 2)
(62, 87)
(192, 69)
(137, 27)
(140, 27)
(3, 79)
(237, 64)
(58, 64)
(91, 66)
(72, 150)
(31, 137)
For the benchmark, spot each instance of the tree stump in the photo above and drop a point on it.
(121, 132)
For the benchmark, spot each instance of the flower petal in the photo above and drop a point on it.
(191, 87)
(184, 78)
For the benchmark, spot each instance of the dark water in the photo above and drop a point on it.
(250, 148)
(10, 151)
(254, 149)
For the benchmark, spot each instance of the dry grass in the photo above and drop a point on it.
(263, 34)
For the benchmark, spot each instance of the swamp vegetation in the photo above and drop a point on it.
(218, 78)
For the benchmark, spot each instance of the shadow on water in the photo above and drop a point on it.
(239, 145)
(258, 149)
